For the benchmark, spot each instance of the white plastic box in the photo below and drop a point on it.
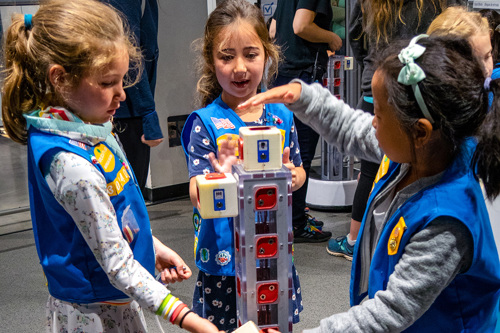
(217, 195)
(260, 148)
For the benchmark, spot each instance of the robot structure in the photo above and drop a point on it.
(258, 194)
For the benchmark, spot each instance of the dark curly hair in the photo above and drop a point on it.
(454, 93)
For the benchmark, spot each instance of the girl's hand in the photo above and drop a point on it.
(194, 323)
(151, 143)
(288, 94)
(226, 156)
(290, 166)
(170, 264)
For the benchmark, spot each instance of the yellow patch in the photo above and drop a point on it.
(395, 238)
(382, 170)
(116, 186)
(105, 157)
(283, 133)
(195, 246)
(229, 137)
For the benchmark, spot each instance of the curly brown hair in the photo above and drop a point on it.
(81, 36)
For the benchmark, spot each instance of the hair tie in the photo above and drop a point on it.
(497, 28)
(487, 82)
(411, 73)
(27, 21)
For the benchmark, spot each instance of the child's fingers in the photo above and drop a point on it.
(286, 155)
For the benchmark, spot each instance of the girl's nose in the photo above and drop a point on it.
(120, 93)
(240, 66)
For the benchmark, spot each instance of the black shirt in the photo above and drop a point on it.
(300, 55)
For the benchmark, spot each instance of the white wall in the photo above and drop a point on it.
(180, 22)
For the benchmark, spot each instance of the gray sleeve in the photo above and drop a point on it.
(431, 260)
(350, 130)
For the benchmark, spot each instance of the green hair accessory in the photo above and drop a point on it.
(411, 73)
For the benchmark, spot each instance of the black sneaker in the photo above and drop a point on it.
(310, 234)
(314, 222)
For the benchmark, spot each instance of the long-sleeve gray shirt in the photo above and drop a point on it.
(432, 257)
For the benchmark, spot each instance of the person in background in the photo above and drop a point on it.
(374, 24)
(457, 21)
(339, 23)
(425, 259)
(302, 30)
(233, 56)
(64, 73)
(136, 121)
(493, 18)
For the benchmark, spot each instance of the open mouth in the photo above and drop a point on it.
(241, 84)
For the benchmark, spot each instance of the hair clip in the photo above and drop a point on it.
(497, 28)
(28, 21)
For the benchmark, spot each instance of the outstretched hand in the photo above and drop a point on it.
(288, 94)
(226, 156)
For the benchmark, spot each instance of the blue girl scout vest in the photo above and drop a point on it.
(73, 274)
(214, 240)
(471, 301)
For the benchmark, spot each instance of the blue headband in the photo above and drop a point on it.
(27, 21)
(411, 73)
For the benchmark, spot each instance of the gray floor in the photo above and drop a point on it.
(324, 279)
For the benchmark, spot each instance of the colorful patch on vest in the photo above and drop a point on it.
(105, 157)
(196, 221)
(78, 144)
(222, 123)
(283, 135)
(204, 255)
(195, 246)
(223, 258)
(382, 170)
(117, 185)
(395, 237)
(229, 137)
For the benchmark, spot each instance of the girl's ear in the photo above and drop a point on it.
(56, 76)
(422, 132)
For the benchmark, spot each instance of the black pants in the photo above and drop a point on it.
(308, 140)
(366, 178)
(130, 131)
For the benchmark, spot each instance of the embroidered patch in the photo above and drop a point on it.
(196, 221)
(395, 237)
(222, 123)
(105, 157)
(223, 258)
(78, 144)
(204, 255)
(382, 170)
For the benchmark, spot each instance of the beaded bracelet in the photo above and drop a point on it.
(184, 316)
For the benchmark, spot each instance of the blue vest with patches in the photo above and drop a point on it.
(470, 303)
(214, 240)
(73, 274)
